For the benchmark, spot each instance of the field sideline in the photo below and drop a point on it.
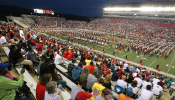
(166, 65)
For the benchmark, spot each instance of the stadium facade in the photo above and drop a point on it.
(159, 10)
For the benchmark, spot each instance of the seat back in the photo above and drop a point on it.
(119, 89)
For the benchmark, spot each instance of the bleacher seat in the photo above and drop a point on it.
(31, 83)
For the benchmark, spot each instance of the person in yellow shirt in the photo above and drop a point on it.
(97, 88)
(129, 92)
(88, 60)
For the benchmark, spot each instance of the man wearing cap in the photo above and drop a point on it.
(129, 92)
(82, 95)
(106, 95)
(70, 55)
(8, 87)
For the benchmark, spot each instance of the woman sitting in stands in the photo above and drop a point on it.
(84, 73)
(107, 82)
(51, 55)
(40, 88)
(52, 93)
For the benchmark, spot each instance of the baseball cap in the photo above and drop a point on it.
(3, 65)
(82, 95)
(106, 92)
(129, 91)
(70, 47)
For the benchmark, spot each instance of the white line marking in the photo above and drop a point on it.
(152, 62)
(126, 54)
(171, 64)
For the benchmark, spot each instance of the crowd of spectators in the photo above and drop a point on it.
(54, 22)
(149, 30)
(95, 73)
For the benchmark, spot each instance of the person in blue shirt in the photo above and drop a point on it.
(131, 69)
(112, 67)
(115, 76)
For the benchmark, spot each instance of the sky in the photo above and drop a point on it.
(90, 8)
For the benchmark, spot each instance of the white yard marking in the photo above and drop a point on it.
(171, 64)
(126, 54)
(120, 51)
(167, 65)
(152, 62)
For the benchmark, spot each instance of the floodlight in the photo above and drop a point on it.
(145, 9)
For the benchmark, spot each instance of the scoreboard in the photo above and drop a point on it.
(43, 11)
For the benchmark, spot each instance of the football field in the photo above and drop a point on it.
(166, 65)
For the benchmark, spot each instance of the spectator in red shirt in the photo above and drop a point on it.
(148, 74)
(106, 72)
(162, 83)
(34, 43)
(70, 55)
(41, 88)
(105, 63)
(91, 67)
(39, 48)
(28, 36)
(65, 53)
(120, 73)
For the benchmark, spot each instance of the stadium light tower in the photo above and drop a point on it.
(144, 9)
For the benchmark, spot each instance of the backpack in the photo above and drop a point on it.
(119, 89)
(76, 72)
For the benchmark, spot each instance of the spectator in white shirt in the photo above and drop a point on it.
(172, 88)
(155, 81)
(122, 83)
(134, 87)
(22, 34)
(145, 83)
(157, 90)
(3, 39)
(58, 60)
(146, 94)
(125, 66)
(139, 80)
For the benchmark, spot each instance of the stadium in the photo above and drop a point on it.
(127, 54)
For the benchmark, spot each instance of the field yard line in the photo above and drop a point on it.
(171, 64)
(138, 58)
(126, 54)
(153, 62)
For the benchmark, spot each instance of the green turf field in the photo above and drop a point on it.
(164, 64)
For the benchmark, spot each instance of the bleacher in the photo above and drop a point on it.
(29, 19)
(31, 83)
(19, 20)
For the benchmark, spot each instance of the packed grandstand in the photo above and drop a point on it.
(125, 55)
